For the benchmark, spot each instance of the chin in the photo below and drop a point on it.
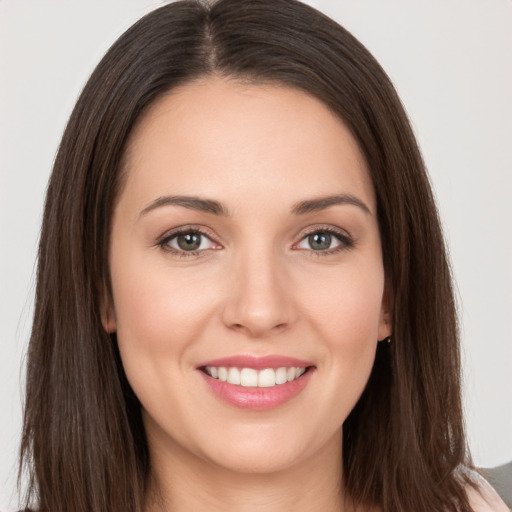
(267, 449)
(255, 460)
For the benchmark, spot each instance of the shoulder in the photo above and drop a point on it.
(482, 497)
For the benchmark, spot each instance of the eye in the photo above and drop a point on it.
(188, 241)
(325, 240)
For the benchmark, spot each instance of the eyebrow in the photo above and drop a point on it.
(321, 203)
(216, 208)
(192, 203)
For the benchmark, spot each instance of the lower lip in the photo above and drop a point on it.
(257, 398)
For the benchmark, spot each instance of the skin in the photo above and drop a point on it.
(255, 287)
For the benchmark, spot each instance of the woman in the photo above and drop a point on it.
(243, 299)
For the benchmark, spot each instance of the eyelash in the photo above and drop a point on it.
(346, 242)
(165, 239)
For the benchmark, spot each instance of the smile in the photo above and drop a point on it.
(249, 382)
(250, 377)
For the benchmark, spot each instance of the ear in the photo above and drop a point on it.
(386, 316)
(108, 316)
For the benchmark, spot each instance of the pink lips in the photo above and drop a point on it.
(258, 363)
(255, 397)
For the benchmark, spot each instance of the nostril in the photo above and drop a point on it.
(275, 328)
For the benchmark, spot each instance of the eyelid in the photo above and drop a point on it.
(164, 239)
(345, 239)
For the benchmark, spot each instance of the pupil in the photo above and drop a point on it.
(189, 241)
(320, 241)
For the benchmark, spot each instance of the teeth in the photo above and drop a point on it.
(223, 374)
(281, 376)
(234, 376)
(267, 378)
(249, 377)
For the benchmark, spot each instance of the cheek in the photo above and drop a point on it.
(159, 316)
(154, 306)
(347, 306)
(345, 313)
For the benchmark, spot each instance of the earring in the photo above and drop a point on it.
(387, 339)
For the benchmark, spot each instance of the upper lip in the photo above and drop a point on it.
(257, 362)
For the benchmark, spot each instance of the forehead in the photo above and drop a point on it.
(217, 136)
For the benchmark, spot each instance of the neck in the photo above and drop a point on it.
(180, 481)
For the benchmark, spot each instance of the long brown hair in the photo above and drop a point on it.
(83, 441)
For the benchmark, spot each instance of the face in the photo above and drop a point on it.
(247, 275)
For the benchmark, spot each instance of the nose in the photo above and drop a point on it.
(260, 301)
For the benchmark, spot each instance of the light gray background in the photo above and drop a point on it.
(451, 62)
